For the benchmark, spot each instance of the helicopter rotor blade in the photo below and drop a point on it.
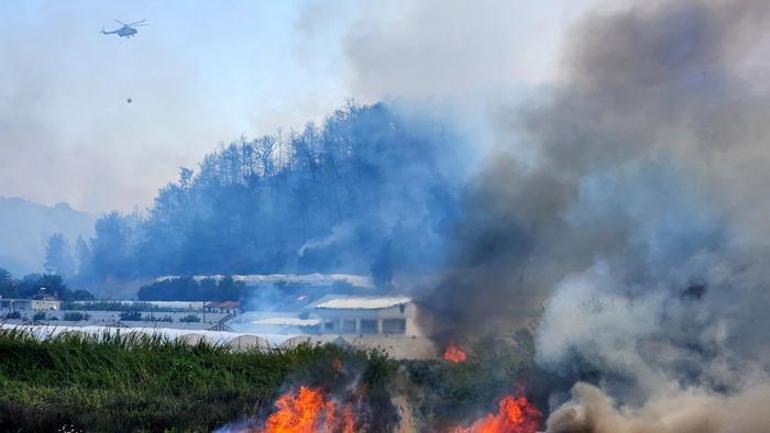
(138, 22)
(121, 22)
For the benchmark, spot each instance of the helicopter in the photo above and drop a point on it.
(127, 30)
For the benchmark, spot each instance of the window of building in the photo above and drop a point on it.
(394, 326)
(402, 308)
(349, 326)
(368, 326)
(329, 326)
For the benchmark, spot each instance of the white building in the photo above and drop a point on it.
(166, 305)
(30, 304)
(397, 325)
(318, 280)
(274, 323)
(371, 315)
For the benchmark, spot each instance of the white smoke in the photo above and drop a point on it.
(592, 411)
(670, 308)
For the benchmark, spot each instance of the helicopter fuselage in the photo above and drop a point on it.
(123, 32)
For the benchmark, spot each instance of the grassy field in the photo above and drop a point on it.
(147, 384)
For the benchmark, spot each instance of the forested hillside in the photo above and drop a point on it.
(368, 191)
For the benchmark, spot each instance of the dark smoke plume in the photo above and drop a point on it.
(639, 225)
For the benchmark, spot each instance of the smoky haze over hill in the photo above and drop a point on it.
(369, 191)
(25, 228)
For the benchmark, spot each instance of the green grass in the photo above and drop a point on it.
(129, 384)
(142, 383)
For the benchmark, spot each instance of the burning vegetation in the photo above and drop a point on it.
(343, 394)
(514, 415)
(308, 410)
(454, 353)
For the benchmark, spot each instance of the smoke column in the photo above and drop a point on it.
(638, 222)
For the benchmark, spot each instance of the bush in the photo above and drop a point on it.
(75, 316)
(131, 316)
(32, 284)
(40, 315)
(189, 289)
(82, 295)
(153, 318)
(190, 318)
(13, 315)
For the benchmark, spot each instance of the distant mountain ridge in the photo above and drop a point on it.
(25, 227)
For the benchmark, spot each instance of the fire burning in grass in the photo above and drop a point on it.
(307, 410)
(454, 353)
(514, 415)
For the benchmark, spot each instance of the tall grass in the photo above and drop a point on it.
(145, 383)
(141, 383)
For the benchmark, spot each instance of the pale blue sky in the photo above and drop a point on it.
(205, 72)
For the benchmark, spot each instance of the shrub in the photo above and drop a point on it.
(131, 316)
(190, 318)
(75, 316)
(82, 295)
(13, 315)
(40, 315)
(189, 289)
(154, 318)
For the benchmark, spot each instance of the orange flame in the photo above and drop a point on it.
(454, 353)
(348, 420)
(309, 411)
(515, 415)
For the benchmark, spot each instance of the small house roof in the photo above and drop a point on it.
(286, 321)
(316, 279)
(360, 302)
(225, 304)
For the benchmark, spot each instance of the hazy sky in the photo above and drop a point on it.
(205, 72)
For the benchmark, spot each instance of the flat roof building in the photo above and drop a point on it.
(30, 304)
(371, 315)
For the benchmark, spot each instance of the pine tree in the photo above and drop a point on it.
(58, 256)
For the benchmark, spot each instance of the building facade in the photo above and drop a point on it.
(393, 315)
(30, 304)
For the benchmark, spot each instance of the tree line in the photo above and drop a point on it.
(37, 286)
(189, 289)
(368, 191)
